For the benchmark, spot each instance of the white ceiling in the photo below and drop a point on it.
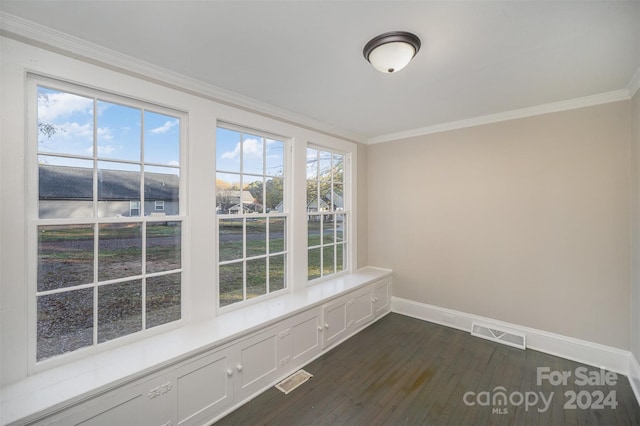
(477, 58)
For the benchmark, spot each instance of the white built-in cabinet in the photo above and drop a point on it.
(204, 387)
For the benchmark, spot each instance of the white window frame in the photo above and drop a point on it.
(348, 219)
(32, 195)
(159, 206)
(286, 214)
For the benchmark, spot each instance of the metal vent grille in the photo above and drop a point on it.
(495, 334)
(293, 381)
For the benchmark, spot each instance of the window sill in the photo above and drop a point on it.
(49, 391)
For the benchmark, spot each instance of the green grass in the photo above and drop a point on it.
(313, 257)
(57, 233)
(60, 233)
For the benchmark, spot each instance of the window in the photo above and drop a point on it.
(159, 206)
(326, 213)
(106, 268)
(252, 214)
(134, 208)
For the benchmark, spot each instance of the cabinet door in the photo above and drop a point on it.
(256, 362)
(334, 316)
(306, 329)
(381, 297)
(204, 387)
(360, 308)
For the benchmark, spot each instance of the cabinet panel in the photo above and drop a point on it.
(204, 387)
(129, 410)
(122, 406)
(305, 330)
(334, 316)
(382, 297)
(360, 308)
(257, 362)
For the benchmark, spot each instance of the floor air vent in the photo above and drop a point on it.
(293, 381)
(500, 336)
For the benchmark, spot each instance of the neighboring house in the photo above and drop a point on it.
(68, 192)
(229, 202)
(325, 203)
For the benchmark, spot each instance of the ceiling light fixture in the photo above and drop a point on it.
(392, 51)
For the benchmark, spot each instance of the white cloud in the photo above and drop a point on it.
(252, 148)
(168, 125)
(57, 106)
(77, 131)
(104, 133)
(106, 149)
(231, 155)
(173, 163)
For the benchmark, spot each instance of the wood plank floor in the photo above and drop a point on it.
(403, 371)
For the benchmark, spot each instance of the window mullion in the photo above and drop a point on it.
(143, 225)
(96, 225)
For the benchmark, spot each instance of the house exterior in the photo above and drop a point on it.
(235, 202)
(68, 192)
(325, 203)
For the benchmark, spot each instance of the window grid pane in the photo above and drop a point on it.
(326, 213)
(91, 165)
(251, 213)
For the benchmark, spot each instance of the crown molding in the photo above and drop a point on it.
(32, 33)
(41, 36)
(603, 98)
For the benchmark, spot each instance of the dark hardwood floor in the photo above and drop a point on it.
(403, 371)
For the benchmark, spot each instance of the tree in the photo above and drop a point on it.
(46, 129)
(274, 193)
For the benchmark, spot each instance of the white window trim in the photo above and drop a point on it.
(158, 206)
(287, 214)
(348, 211)
(32, 195)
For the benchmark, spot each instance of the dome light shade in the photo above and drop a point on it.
(390, 52)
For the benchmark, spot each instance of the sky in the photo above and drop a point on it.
(259, 156)
(118, 135)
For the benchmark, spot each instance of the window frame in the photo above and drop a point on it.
(245, 216)
(346, 211)
(134, 205)
(33, 82)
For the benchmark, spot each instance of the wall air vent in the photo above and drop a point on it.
(495, 334)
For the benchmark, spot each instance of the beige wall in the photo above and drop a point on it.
(525, 221)
(635, 198)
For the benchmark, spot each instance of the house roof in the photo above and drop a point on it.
(76, 183)
(246, 196)
(325, 200)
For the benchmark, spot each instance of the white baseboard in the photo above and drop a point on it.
(634, 376)
(594, 354)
